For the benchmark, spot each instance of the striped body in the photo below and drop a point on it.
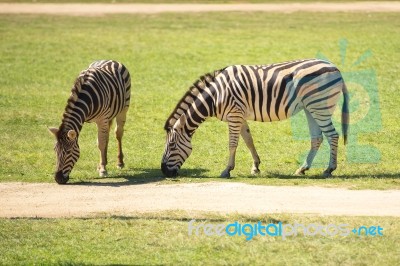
(100, 94)
(261, 93)
(275, 92)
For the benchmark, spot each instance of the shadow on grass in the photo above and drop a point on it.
(378, 176)
(266, 219)
(143, 176)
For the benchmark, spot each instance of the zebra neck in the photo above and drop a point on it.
(202, 108)
(73, 118)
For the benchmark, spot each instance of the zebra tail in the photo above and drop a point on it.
(345, 114)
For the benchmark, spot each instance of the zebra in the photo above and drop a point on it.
(262, 93)
(100, 94)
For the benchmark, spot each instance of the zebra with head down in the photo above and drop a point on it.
(262, 93)
(100, 94)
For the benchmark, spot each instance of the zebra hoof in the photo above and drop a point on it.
(327, 174)
(301, 171)
(103, 173)
(255, 171)
(225, 174)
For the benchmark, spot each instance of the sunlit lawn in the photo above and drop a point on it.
(165, 53)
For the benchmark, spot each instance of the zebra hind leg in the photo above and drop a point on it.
(333, 143)
(119, 132)
(327, 127)
(315, 144)
(316, 140)
(248, 139)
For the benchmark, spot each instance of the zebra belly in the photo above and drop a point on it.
(275, 115)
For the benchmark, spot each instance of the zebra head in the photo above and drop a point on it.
(177, 148)
(67, 152)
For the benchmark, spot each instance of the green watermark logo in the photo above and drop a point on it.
(365, 115)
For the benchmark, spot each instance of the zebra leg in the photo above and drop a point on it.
(316, 140)
(119, 132)
(248, 139)
(315, 144)
(103, 130)
(331, 134)
(234, 132)
(333, 143)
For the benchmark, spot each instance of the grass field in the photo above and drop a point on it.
(41, 56)
(164, 239)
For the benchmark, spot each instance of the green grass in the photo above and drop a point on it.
(42, 55)
(164, 239)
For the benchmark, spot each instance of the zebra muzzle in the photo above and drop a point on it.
(60, 178)
(167, 172)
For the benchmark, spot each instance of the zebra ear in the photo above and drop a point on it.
(180, 122)
(71, 134)
(53, 130)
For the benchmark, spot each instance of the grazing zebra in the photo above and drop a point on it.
(262, 93)
(100, 94)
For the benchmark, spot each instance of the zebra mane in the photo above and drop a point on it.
(76, 89)
(190, 96)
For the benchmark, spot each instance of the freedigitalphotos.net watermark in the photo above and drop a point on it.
(251, 230)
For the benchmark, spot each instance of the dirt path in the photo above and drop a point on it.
(82, 200)
(100, 9)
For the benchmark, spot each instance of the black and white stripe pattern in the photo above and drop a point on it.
(100, 94)
(262, 93)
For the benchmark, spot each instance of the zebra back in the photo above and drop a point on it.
(102, 88)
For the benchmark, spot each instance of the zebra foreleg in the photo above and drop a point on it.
(231, 163)
(234, 132)
(103, 130)
(119, 132)
(248, 139)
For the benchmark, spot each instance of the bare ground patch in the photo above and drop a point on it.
(83, 200)
(101, 9)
